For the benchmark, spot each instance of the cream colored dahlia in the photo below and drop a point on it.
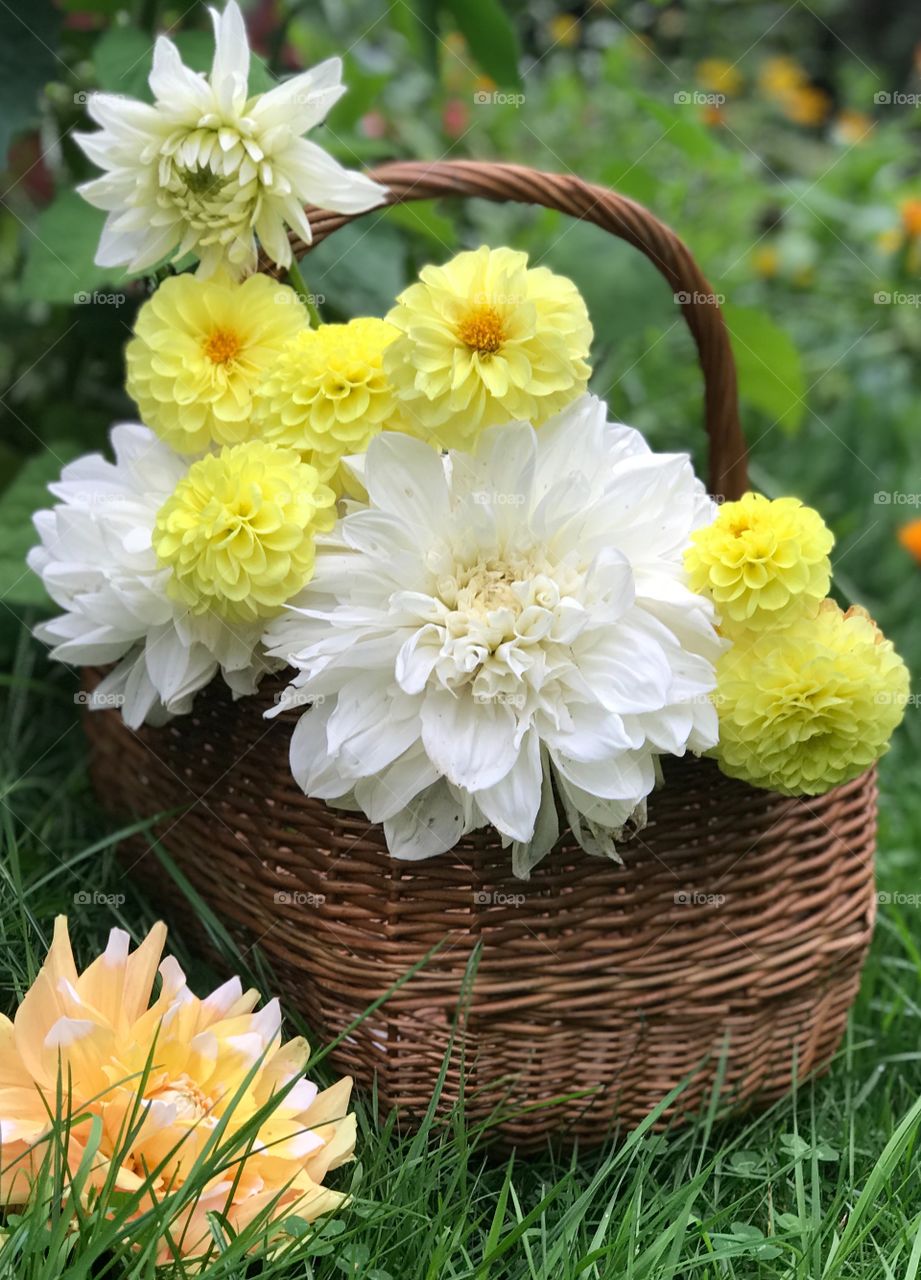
(200, 349)
(493, 631)
(238, 531)
(158, 1076)
(326, 392)
(208, 167)
(806, 706)
(762, 560)
(487, 340)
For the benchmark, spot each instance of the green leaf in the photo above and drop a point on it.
(27, 63)
(417, 22)
(122, 57)
(59, 263)
(19, 586)
(196, 48)
(490, 37)
(422, 218)
(107, 7)
(682, 128)
(359, 270)
(771, 376)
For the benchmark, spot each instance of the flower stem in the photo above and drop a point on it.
(297, 283)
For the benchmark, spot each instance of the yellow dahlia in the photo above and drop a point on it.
(327, 392)
(145, 1086)
(761, 560)
(200, 349)
(238, 531)
(484, 341)
(806, 706)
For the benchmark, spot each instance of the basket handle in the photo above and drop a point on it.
(414, 180)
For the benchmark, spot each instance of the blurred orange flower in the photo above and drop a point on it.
(564, 30)
(807, 105)
(780, 76)
(910, 538)
(910, 211)
(716, 75)
(766, 261)
(851, 127)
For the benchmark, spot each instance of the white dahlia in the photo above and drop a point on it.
(498, 630)
(206, 168)
(97, 561)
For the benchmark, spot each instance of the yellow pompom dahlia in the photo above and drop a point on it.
(200, 349)
(238, 532)
(327, 392)
(761, 560)
(484, 341)
(145, 1085)
(807, 706)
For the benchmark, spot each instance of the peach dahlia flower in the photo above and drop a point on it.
(160, 1077)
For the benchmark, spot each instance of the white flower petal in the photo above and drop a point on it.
(501, 615)
(471, 743)
(432, 823)
(406, 478)
(323, 181)
(115, 595)
(512, 804)
(230, 67)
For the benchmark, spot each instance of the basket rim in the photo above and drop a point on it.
(620, 216)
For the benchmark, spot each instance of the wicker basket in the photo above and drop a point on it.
(726, 949)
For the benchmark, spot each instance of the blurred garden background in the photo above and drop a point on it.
(783, 144)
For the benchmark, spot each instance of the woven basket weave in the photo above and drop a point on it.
(726, 949)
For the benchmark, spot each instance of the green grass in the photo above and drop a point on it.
(824, 1184)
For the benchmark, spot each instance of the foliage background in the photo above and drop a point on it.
(782, 143)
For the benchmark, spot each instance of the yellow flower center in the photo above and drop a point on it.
(183, 1093)
(221, 346)
(482, 329)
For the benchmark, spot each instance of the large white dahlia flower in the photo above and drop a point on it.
(206, 168)
(98, 563)
(499, 628)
